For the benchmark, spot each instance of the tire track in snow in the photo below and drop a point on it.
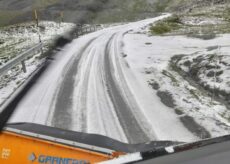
(131, 127)
(80, 110)
(62, 117)
(93, 110)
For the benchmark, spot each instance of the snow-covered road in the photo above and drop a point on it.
(91, 88)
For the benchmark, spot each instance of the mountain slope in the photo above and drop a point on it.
(14, 11)
(186, 5)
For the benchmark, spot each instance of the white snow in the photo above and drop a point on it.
(170, 149)
(22, 36)
(15, 78)
(148, 61)
(157, 120)
(199, 21)
(124, 159)
(17, 39)
(218, 60)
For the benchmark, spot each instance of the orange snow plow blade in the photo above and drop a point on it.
(46, 145)
(16, 148)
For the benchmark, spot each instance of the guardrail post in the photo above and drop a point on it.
(41, 50)
(23, 66)
(20, 59)
(81, 30)
(76, 33)
(36, 17)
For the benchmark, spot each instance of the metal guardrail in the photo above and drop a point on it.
(20, 58)
(82, 29)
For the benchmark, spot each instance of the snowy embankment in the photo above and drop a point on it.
(210, 68)
(18, 38)
(150, 59)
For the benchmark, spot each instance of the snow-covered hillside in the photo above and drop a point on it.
(18, 38)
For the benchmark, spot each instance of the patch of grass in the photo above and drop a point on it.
(160, 6)
(173, 79)
(205, 31)
(194, 127)
(199, 14)
(194, 93)
(210, 48)
(44, 3)
(226, 14)
(178, 111)
(176, 58)
(140, 6)
(10, 50)
(166, 98)
(209, 31)
(173, 19)
(166, 26)
(154, 84)
(18, 82)
(209, 36)
(160, 28)
(6, 16)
